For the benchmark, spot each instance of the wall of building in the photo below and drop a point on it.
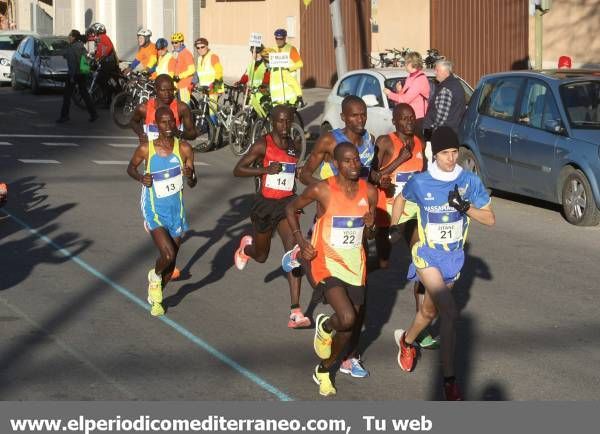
(400, 23)
(570, 28)
(227, 26)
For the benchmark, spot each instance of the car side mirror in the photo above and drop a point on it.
(370, 100)
(554, 126)
(26, 55)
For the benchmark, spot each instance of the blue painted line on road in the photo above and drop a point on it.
(144, 305)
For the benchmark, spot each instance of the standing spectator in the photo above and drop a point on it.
(415, 91)
(284, 85)
(209, 70)
(73, 53)
(184, 67)
(448, 102)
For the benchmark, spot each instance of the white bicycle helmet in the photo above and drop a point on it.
(146, 33)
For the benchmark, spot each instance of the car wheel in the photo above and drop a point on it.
(468, 161)
(578, 202)
(35, 85)
(13, 81)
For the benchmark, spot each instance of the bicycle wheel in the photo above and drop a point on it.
(206, 132)
(122, 108)
(240, 133)
(260, 128)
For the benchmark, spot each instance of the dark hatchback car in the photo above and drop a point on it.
(537, 134)
(38, 63)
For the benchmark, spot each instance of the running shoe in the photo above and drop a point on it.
(289, 260)
(406, 353)
(427, 342)
(298, 320)
(240, 258)
(354, 367)
(176, 274)
(322, 340)
(326, 387)
(452, 392)
(155, 296)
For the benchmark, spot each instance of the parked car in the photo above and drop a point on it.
(38, 63)
(369, 84)
(9, 41)
(537, 134)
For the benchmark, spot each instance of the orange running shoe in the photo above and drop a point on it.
(407, 353)
(176, 274)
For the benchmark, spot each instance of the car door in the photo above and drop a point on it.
(17, 62)
(379, 116)
(27, 60)
(494, 126)
(533, 142)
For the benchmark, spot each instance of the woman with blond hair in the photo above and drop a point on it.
(415, 91)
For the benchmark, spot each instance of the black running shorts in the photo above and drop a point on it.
(267, 213)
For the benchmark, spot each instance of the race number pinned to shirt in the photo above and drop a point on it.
(445, 227)
(279, 60)
(167, 182)
(255, 40)
(400, 181)
(151, 131)
(346, 232)
(283, 180)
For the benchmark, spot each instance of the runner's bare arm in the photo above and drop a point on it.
(398, 208)
(189, 170)
(312, 193)
(139, 156)
(257, 151)
(323, 147)
(483, 215)
(369, 217)
(189, 130)
(137, 121)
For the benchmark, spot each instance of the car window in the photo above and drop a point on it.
(582, 103)
(28, 47)
(370, 86)
(498, 98)
(467, 89)
(52, 46)
(538, 107)
(348, 85)
(10, 42)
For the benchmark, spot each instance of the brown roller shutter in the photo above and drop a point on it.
(316, 40)
(481, 36)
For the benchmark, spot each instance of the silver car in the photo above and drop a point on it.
(9, 41)
(38, 63)
(369, 84)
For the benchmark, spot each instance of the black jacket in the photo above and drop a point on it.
(73, 55)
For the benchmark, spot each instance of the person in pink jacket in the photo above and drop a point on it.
(415, 91)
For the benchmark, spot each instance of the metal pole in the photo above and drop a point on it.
(34, 7)
(341, 62)
(539, 25)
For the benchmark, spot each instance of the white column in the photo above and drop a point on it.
(77, 15)
(154, 16)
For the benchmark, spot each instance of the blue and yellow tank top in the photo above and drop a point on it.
(366, 152)
(165, 196)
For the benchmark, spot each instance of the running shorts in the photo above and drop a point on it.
(449, 263)
(267, 213)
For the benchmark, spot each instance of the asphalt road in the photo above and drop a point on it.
(75, 324)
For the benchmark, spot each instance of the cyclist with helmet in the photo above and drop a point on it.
(257, 77)
(184, 67)
(146, 57)
(284, 82)
(104, 55)
(209, 70)
(166, 61)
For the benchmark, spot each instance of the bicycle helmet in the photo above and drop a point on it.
(161, 43)
(564, 62)
(98, 28)
(177, 37)
(146, 33)
(280, 33)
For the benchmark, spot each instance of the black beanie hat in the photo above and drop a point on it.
(443, 138)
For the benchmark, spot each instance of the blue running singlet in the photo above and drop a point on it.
(366, 152)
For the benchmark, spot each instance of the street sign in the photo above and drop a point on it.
(255, 39)
(279, 60)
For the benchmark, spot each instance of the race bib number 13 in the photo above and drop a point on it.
(167, 182)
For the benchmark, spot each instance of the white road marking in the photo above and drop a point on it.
(123, 145)
(200, 163)
(44, 125)
(5, 144)
(109, 162)
(66, 136)
(58, 144)
(31, 112)
(38, 161)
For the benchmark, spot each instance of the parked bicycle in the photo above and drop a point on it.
(138, 89)
(212, 119)
(433, 55)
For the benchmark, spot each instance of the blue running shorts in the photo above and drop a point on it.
(448, 262)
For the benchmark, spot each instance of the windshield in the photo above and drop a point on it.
(10, 42)
(582, 103)
(49, 47)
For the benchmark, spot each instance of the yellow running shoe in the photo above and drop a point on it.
(155, 296)
(326, 387)
(322, 340)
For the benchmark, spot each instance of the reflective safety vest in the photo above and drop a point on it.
(283, 83)
(256, 75)
(209, 69)
(166, 65)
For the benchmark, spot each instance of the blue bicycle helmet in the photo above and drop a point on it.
(161, 43)
(280, 33)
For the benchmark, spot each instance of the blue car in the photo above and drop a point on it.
(537, 134)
